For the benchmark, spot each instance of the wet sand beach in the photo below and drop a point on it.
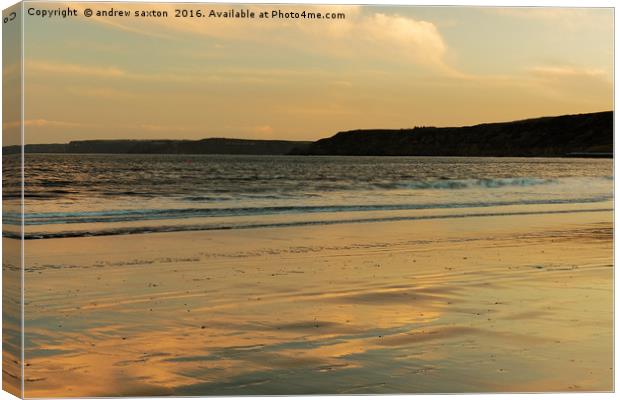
(480, 304)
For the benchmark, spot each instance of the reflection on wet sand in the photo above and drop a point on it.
(516, 304)
(11, 317)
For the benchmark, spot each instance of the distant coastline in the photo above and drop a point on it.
(579, 135)
(202, 146)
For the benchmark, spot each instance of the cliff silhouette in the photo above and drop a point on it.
(568, 135)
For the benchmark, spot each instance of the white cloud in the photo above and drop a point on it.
(419, 41)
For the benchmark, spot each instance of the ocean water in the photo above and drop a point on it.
(90, 195)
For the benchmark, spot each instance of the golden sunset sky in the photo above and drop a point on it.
(381, 67)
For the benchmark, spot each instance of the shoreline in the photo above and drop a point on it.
(291, 220)
(544, 157)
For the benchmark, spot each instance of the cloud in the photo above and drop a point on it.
(585, 85)
(372, 35)
(73, 69)
(563, 71)
(194, 76)
(102, 92)
(263, 130)
(419, 41)
(42, 123)
(52, 67)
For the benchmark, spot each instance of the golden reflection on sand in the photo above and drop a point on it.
(350, 310)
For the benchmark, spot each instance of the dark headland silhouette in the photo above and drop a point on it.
(580, 135)
(567, 135)
(203, 146)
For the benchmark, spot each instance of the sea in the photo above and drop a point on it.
(77, 195)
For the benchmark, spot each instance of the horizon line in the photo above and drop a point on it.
(314, 140)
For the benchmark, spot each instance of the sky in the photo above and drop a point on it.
(380, 67)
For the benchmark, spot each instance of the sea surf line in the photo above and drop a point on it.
(214, 227)
(185, 213)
